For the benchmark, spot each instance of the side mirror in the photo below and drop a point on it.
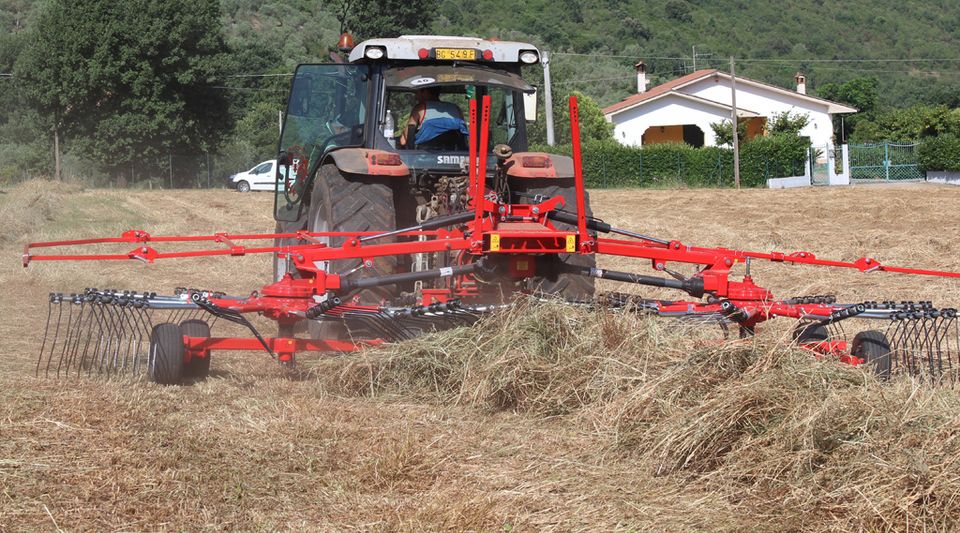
(530, 106)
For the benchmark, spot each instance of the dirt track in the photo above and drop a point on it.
(254, 448)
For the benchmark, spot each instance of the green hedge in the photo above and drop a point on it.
(611, 164)
(940, 153)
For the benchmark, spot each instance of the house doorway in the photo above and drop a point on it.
(676, 133)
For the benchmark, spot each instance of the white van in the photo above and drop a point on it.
(259, 178)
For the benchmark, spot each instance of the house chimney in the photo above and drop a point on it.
(641, 77)
(801, 82)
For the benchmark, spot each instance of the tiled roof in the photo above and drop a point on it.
(658, 90)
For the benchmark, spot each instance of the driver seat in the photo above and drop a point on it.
(452, 140)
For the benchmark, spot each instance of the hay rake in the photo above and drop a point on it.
(495, 243)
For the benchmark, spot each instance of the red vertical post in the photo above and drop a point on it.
(578, 176)
(472, 162)
(482, 159)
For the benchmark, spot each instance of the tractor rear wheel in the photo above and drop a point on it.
(341, 202)
(567, 286)
(873, 347)
(197, 367)
(165, 361)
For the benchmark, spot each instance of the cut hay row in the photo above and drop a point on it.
(774, 431)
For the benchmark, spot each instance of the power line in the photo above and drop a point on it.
(758, 60)
(257, 75)
(227, 88)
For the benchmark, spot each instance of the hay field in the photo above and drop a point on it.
(546, 419)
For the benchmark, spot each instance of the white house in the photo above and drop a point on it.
(682, 110)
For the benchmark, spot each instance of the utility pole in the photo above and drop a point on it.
(736, 130)
(547, 96)
(694, 58)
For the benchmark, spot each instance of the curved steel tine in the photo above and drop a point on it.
(100, 344)
(85, 327)
(104, 362)
(46, 333)
(66, 334)
(56, 336)
(75, 335)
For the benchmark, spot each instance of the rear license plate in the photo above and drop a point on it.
(464, 54)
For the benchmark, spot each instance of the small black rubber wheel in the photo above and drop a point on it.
(811, 333)
(873, 347)
(243, 186)
(567, 286)
(197, 367)
(165, 361)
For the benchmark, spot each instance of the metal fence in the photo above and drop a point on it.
(883, 162)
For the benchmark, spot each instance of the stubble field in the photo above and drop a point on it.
(617, 423)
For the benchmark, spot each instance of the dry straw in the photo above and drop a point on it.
(773, 430)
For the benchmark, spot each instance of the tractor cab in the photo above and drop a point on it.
(405, 101)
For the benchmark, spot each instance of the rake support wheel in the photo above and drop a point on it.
(873, 347)
(165, 361)
(196, 367)
(811, 333)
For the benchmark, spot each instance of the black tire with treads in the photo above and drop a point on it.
(340, 202)
(165, 360)
(810, 333)
(197, 367)
(873, 347)
(567, 286)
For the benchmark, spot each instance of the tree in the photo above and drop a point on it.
(861, 93)
(593, 125)
(128, 81)
(787, 123)
(724, 132)
(909, 124)
(369, 19)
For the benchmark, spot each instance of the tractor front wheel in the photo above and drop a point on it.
(165, 361)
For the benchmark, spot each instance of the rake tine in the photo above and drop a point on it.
(143, 316)
(130, 330)
(99, 346)
(91, 322)
(118, 336)
(104, 355)
(940, 334)
(56, 334)
(85, 325)
(118, 353)
(74, 335)
(910, 336)
(46, 331)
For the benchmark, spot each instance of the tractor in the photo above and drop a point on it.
(351, 159)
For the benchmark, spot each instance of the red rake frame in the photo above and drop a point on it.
(520, 233)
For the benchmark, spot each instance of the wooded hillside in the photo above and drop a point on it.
(908, 47)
